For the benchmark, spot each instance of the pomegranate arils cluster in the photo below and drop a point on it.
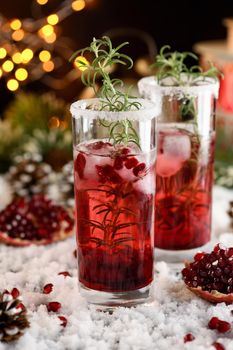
(211, 271)
(34, 219)
(220, 325)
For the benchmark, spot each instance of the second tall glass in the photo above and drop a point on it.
(184, 170)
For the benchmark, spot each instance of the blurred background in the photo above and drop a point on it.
(38, 83)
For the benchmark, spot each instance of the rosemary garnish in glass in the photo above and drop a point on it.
(111, 94)
(172, 65)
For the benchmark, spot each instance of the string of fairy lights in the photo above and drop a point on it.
(31, 48)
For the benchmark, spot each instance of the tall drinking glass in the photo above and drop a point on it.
(114, 194)
(184, 170)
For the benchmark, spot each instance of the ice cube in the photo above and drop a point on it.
(177, 146)
(168, 165)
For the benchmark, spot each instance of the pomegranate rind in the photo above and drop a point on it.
(214, 296)
(57, 236)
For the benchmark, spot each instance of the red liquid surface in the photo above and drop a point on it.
(114, 191)
(184, 175)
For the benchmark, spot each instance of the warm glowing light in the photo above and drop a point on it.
(50, 39)
(17, 58)
(18, 35)
(12, 84)
(78, 5)
(44, 56)
(54, 122)
(42, 2)
(53, 19)
(16, 24)
(27, 55)
(21, 74)
(46, 30)
(0, 73)
(3, 52)
(8, 66)
(79, 63)
(48, 66)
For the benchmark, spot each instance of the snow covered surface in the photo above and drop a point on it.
(161, 326)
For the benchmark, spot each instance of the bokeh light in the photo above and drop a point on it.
(18, 35)
(42, 2)
(12, 84)
(44, 56)
(78, 5)
(3, 52)
(27, 55)
(8, 66)
(48, 66)
(16, 24)
(21, 74)
(79, 63)
(17, 58)
(53, 19)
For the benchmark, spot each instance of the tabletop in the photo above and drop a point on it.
(159, 326)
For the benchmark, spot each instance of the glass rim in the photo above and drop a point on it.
(149, 111)
(150, 82)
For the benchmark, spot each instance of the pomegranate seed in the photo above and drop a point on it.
(21, 306)
(218, 346)
(53, 306)
(131, 163)
(64, 320)
(211, 271)
(15, 293)
(223, 326)
(107, 173)
(219, 247)
(213, 323)
(118, 163)
(188, 337)
(34, 219)
(139, 169)
(79, 165)
(125, 151)
(64, 273)
(98, 145)
(48, 288)
(199, 256)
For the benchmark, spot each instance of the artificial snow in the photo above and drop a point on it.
(161, 326)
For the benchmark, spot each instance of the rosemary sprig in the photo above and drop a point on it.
(111, 93)
(172, 64)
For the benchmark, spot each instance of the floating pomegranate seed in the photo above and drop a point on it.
(65, 273)
(118, 163)
(131, 163)
(213, 323)
(218, 346)
(64, 320)
(188, 337)
(53, 306)
(15, 293)
(48, 288)
(139, 169)
(97, 145)
(125, 151)
(107, 173)
(79, 165)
